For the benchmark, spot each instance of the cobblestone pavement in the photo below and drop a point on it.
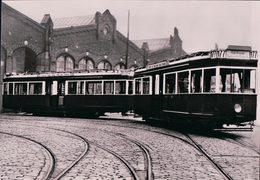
(22, 158)
(172, 156)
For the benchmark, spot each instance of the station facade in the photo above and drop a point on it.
(83, 43)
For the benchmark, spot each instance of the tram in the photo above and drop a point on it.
(73, 94)
(211, 88)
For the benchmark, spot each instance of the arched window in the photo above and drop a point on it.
(82, 64)
(120, 66)
(60, 64)
(69, 66)
(104, 65)
(86, 64)
(64, 63)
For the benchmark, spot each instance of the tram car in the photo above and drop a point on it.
(72, 94)
(211, 88)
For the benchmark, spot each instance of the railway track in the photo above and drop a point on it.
(149, 173)
(86, 144)
(188, 141)
(194, 144)
(51, 156)
(136, 175)
(148, 170)
(205, 154)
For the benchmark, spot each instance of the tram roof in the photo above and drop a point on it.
(232, 52)
(71, 74)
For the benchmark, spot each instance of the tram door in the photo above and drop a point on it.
(61, 92)
(157, 97)
(57, 93)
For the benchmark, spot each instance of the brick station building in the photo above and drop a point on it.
(82, 43)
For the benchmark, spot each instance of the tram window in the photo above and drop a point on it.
(108, 87)
(10, 88)
(130, 87)
(252, 81)
(196, 78)
(5, 89)
(93, 87)
(146, 85)
(72, 87)
(138, 86)
(35, 88)
(209, 82)
(237, 80)
(183, 82)
(20, 88)
(170, 83)
(120, 87)
(80, 87)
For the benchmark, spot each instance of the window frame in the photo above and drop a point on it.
(217, 81)
(102, 83)
(27, 86)
(141, 85)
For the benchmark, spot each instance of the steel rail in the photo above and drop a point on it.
(49, 152)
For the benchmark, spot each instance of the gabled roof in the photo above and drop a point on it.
(154, 44)
(131, 43)
(73, 21)
(23, 16)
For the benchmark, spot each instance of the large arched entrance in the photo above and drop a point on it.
(24, 60)
(3, 60)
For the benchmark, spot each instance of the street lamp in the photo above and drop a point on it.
(25, 43)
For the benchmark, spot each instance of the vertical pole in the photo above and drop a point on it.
(1, 83)
(127, 41)
(1, 76)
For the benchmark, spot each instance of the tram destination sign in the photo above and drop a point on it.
(237, 54)
(156, 65)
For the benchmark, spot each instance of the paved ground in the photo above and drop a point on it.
(108, 149)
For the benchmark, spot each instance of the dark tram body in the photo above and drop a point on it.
(211, 88)
(69, 93)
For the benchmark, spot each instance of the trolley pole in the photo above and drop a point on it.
(127, 41)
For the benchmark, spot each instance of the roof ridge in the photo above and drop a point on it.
(150, 39)
(83, 20)
(75, 16)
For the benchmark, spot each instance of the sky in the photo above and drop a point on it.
(201, 24)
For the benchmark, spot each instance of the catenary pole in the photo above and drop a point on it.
(127, 40)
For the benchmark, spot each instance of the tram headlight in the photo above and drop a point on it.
(237, 108)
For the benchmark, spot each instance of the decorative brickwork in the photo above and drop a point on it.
(94, 38)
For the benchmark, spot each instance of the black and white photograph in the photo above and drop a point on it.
(129, 90)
